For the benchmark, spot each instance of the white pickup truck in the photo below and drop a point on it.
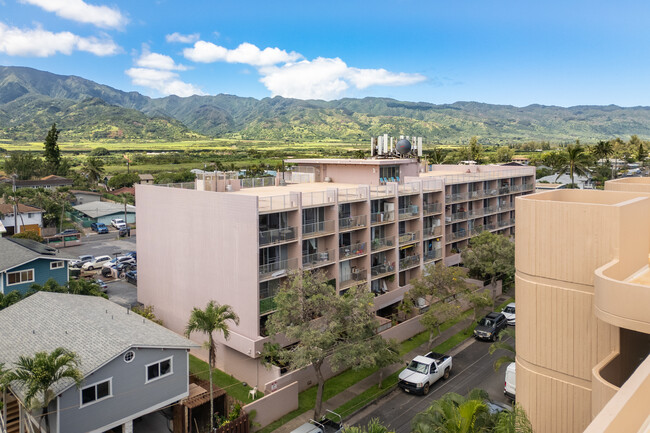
(424, 371)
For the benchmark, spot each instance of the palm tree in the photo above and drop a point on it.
(576, 162)
(93, 168)
(213, 319)
(454, 413)
(503, 345)
(514, 421)
(602, 150)
(38, 375)
(373, 426)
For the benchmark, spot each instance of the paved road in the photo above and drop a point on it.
(472, 368)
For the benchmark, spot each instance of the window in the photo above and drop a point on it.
(128, 356)
(57, 265)
(96, 392)
(26, 276)
(159, 369)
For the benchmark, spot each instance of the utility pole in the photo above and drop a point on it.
(13, 189)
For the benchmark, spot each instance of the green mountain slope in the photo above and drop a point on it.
(30, 100)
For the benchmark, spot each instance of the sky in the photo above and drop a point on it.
(515, 52)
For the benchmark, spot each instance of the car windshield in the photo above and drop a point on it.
(418, 366)
(486, 322)
(510, 310)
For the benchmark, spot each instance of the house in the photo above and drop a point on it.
(81, 197)
(24, 262)
(105, 211)
(124, 190)
(29, 218)
(130, 366)
(145, 179)
(521, 160)
(47, 182)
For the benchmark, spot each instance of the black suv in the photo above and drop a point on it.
(488, 328)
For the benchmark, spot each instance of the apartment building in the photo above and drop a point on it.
(583, 303)
(369, 222)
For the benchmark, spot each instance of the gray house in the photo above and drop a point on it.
(131, 366)
(105, 211)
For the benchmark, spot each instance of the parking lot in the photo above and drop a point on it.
(119, 291)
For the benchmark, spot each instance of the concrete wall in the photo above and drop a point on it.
(275, 405)
(131, 396)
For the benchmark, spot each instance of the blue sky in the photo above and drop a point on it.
(501, 51)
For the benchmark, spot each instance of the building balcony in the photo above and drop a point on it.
(409, 188)
(318, 198)
(278, 236)
(357, 276)
(409, 262)
(457, 197)
(352, 251)
(506, 223)
(267, 305)
(381, 244)
(382, 191)
(277, 203)
(353, 222)
(458, 216)
(352, 194)
(318, 229)
(277, 269)
(316, 260)
(382, 217)
(409, 238)
(431, 208)
(381, 271)
(457, 235)
(409, 212)
(434, 254)
(431, 232)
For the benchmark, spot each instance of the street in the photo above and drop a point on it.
(472, 368)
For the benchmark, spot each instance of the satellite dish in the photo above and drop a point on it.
(403, 146)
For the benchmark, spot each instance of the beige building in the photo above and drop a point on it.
(583, 308)
(369, 222)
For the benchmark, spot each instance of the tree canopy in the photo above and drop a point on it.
(490, 256)
(51, 151)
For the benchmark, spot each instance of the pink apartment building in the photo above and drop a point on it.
(370, 222)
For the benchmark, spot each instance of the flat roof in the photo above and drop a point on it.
(587, 196)
(344, 161)
(264, 191)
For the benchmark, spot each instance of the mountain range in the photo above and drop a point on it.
(31, 100)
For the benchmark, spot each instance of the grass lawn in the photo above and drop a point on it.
(231, 385)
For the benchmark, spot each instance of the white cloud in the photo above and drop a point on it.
(184, 39)
(42, 43)
(78, 10)
(207, 52)
(363, 78)
(158, 61)
(165, 82)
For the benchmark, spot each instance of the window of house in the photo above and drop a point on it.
(159, 369)
(30, 215)
(57, 265)
(96, 392)
(26, 276)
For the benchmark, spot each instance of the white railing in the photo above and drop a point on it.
(382, 191)
(430, 208)
(352, 194)
(278, 269)
(352, 222)
(321, 258)
(318, 228)
(379, 217)
(409, 212)
(409, 188)
(256, 182)
(318, 198)
(276, 203)
(274, 236)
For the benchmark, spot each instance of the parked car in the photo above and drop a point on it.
(132, 254)
(326, 424)
(118, 223)
(511, 381)
(80, 262)
(132, 277)
(120, 259)
(495, 407)
(102, 285)
(67, 232)
(424, 371)
(509, 312)
(99, 228)
(96, 263)
(489, 327)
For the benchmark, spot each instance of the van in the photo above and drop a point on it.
(511, 381)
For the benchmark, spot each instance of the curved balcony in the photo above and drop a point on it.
(622, 296)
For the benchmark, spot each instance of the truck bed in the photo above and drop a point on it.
(438, 357)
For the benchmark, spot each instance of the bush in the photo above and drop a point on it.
(100, 151)
(29, 235)
(123, 180)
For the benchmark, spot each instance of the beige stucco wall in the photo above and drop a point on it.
(273, 406)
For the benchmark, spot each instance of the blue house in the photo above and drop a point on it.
(24, 262)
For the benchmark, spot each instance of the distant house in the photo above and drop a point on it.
(82, 197)
(105, 211)
(130, 366)
(47, 182)
(124, 190)
(521, 159)
(30, 218)
(24, 262)
(145, 179)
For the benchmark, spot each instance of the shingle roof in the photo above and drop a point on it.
(96, 209)
(14, 252)
(146, 176)
(6, 208)
(96, 329)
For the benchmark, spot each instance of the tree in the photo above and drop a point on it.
(324, 324)
(384, 353)
(435, 156)
(93, 169)
(51, 152)
(475, 150)
(99, 151)
(514, 421)
(147, 312)
(214, 318)
(123, 180)
(576, 162)
(38, 374)
(29, 235)
(602, 150)
(504, 154)
(373, 426)
(436, 315)
(454, 413)
(10, 298)
(641, 153)
(490, 256)
(24, 165)
(555, 159)
(503, 345)
(479, 300)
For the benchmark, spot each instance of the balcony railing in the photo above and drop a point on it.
(379, 244)
(351, 251)
(352, 222)
(319, 228)
(458, 216)
(434, 254)
(277, 203)
(267, 305)
(278, 269)
(411, 211)
(432, 185)
(459, 234)
(429, 232)
(380, 191)
(506, 222)
(409, 188)
(352, 194)
(431, 208)
(461, 196)
(381, 270)
(410, 237)
(409, 262)
(318, 198)
(276, 236)
(379, 217)
(355, 277)
(321, 258)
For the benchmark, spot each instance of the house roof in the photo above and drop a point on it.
(14, 252)
(96, 329)
(48, 180)
(96, 209)
(78, 191)
(6, 208)
(146, 176)
(124, 189)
